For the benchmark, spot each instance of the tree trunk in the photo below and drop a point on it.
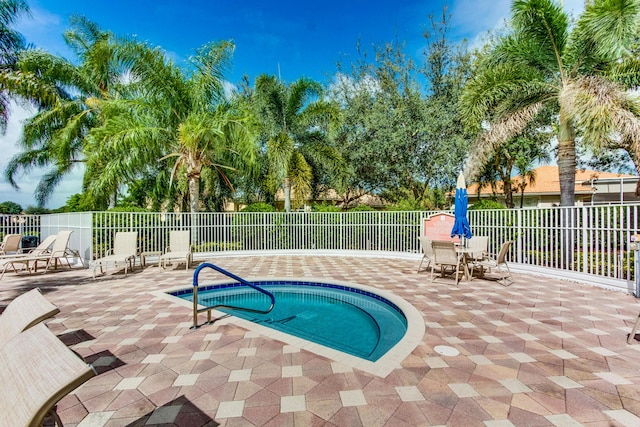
(566, 160)
(194, 193)
(287, 194)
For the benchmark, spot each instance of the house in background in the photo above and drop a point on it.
(592, 187)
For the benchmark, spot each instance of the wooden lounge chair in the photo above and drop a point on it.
(179, 248)
(58, 252)
(446, 256)
(124, 251)
(427, 252)
(23, 312)
(10, 244)
(499, 262)
(37, 371)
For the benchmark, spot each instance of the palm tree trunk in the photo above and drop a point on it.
(194, 193)
(567, 175)
(287, 194)
(566, 160)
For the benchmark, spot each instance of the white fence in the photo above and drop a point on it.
(585, 240)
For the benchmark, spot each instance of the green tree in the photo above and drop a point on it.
(403, 140)
(579, 71)
(296, 128)
(11, 43)
(520, 154)
(65, 95)
(182, 118)
(10, 208)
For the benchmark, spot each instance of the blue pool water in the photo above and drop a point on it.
(350, 320)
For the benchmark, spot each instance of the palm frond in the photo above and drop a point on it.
(544, 23)
(604, 111)
(499, 132)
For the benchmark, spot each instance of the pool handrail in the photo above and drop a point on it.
(196, 310)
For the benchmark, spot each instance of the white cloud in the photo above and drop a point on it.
(44, 30)
(472, 19)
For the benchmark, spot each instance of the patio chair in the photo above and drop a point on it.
(179, 248)
(41, 249)
(478, 247)
(446, 256)
(37, 371)
(23, 312)
(59, 251)
(10, 244)
(124, 251)
(427, 252)
(499, 262)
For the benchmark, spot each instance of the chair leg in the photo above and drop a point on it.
(632, 334)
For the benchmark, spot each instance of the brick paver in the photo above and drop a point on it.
(541, 352)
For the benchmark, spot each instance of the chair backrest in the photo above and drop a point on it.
(444, 252)
(23, 312)
(59, 247)
(503, 252)
(478, 246)
(44, 245)
(125, 243)
(37, 371)
(179, 241)
(10, 244)
(427, 250)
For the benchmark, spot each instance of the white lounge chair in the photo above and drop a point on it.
(179, 249)
(23, 312)
(10, 244)
(59, 251)
(124, 251)
(37, 371)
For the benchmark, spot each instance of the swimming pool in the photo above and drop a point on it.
(350, 320)
(382, 367)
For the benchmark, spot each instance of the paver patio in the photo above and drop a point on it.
(541, 352)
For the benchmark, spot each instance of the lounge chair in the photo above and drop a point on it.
(37, 371)
(10, 244)
(43, 248)
(23, 312)
(427, 252)
(59, 251)
(499, 262)
(445, 255)
(179, 248)
(124, 251)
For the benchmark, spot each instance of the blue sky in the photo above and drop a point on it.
(294, 39)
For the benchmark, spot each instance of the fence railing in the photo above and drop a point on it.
(583, 239)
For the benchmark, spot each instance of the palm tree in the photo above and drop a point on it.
(11, 43)
(65, 95)
(172, 115)
(581, 72)
(296, 124)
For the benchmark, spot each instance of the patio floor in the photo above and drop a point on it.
(541, 352)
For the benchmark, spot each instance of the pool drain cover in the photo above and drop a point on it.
(445, 350)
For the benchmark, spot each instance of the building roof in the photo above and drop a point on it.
(547, 181)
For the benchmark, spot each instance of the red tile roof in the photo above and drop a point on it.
(547, 181)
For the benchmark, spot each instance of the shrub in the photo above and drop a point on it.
(258, 207)
(362, 208)
(487, 204)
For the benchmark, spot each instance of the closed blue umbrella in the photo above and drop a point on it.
(461, 226)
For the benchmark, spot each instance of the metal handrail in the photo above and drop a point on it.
(196, 310)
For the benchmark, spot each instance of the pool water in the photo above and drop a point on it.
(350, 320)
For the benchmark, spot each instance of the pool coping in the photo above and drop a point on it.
(391, 360)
